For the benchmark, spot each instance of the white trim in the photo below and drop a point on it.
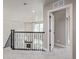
(45, 49)
(60, 8)
(60, 45)
(71, 20)
(48, 32)
(52, 31)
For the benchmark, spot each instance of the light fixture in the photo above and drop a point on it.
(33, 11)
(25, 3)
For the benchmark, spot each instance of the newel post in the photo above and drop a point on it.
(12, 38)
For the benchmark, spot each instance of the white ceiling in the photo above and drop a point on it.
(16, 10)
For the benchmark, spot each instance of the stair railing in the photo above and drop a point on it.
(23, 40)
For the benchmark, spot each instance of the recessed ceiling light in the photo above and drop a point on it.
(33, 11)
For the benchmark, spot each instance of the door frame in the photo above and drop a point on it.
(70, 21)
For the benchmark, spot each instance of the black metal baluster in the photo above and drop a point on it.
(12, 39)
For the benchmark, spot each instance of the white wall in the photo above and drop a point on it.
(8, 25)
(28, 26)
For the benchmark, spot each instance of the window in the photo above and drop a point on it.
(38, 27)
(41, 27)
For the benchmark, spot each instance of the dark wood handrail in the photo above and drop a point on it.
(27, 32)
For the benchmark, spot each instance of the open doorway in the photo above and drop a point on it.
(60, 27)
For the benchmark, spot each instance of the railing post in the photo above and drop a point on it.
(12, 39)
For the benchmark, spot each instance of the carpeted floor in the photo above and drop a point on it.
(56, 53)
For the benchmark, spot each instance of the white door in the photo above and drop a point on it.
(51, 31)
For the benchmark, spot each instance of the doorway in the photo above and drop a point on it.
(60, 27)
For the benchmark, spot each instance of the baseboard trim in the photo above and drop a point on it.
(45, 49)
(60, 45)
